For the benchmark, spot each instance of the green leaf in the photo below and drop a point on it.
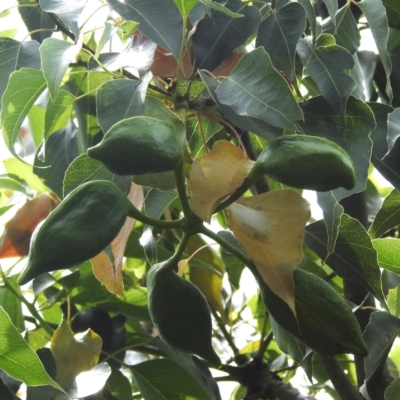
(259, 91)
(17, 101)
(393, 12)
(157, 381)
(393, 301)
(375, 13)
(380, 334)
(332, 7)
(392, 392)
(68, 11)
(308, 6)
(185, 6)
(159, 20)
(12, 304)
(56, 57)
(394, 127)
(6, 393)
(388, 250)
(36, 116)
(13, 183)
(353, 136)
(120, 99)
(217, 36)
(59, 151)
(344, 29)
(388, 216)
(16, 55)
(386, 163)
(255, 125)
(84, 169)
(17, 359)
(279, 34)
(108, 32)
(219, 7)
(357, 74)
(321, 63)
(56, 111)
(119, 385)
(35, 18)
(354, 258)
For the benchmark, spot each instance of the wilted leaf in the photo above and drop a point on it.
(110, 272)
(74, 355)
(216, 175)
(209, 282)
(18, 232)
(270, 227)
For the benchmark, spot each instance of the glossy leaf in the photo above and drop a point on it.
(270, 227)
(185, 6)
(107, 271)
(74, 355)
(214, 176)
(216, 37)
(320, 62)
(84, 169)
(157, 381)
(17, 101)
(209, 282)
(18, 230)
(17, 359)
(353, 136)
(394, 127)
(35, 18)
(56, 110)
(255, 125)
(148, 14)
(279, 34)
(354, 257)
(388, 216)
(343, 27)
(375, 13)
(392, 392)
(260, 91)
(59, 152)
(388, 250)
(16, 55)
(332, 7)
(393, 301)
(56, 57)
(68, 12)
(380, 334)
(120, 99)
(219, 7)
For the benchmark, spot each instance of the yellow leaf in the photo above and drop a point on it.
(110, 273)
(74, 354)
(182, 266)
(209, 282)
(270, 227)
(214, 176)
(250, 347)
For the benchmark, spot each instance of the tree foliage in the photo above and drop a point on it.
(157, 241)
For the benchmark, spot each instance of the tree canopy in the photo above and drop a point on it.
(158, 241)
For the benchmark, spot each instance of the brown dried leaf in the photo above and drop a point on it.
(270, 227)
(107, 272)
(228, 65)
(165, 64)
(18, 232)
(214, 176)
(74, 355)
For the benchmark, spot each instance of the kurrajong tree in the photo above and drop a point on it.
(151, 119)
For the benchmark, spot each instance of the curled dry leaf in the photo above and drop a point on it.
(214, 176)
(74, 354)
(18, 230)
(270, 227)
(110, 273)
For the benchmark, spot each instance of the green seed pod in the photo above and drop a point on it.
(180, 313)
(139, 145)
(325, 323)
(306, 162)
(86, 221)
